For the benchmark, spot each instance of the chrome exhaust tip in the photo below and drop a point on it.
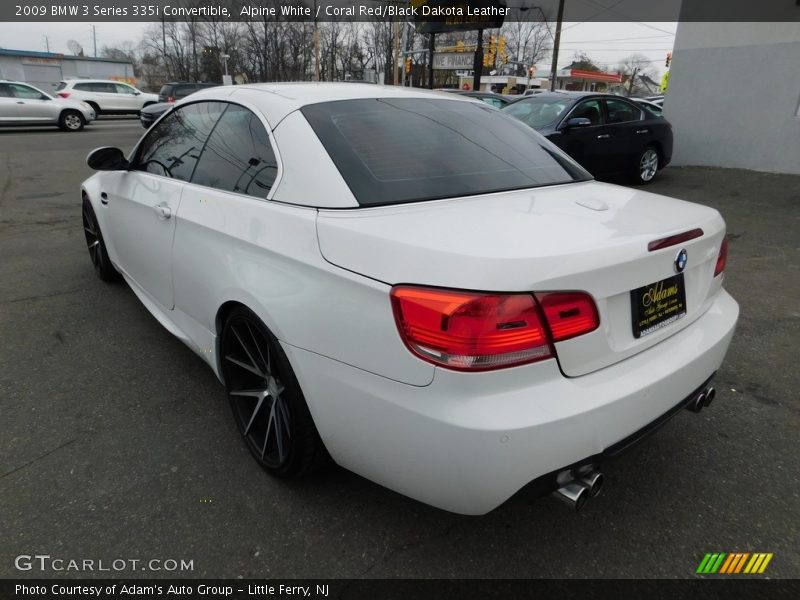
(593, 482)
(573, 495)
(697, 404)
(709, 397)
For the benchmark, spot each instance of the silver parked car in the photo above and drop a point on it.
(23, 104)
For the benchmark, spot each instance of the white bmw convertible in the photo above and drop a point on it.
(414, 284)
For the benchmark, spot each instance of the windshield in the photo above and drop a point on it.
(393, 150)
(539, 111)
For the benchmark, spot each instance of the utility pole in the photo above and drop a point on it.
(403, 44)
(632, 82)
(556, 42)
(396, 52)
(477, 64)
(94, 36)
(431, 45)
(316, 44)
(47, 43)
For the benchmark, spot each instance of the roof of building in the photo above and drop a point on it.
(57, 56)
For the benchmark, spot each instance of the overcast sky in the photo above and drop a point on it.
(606, 43)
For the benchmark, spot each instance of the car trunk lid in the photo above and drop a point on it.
(589, 236)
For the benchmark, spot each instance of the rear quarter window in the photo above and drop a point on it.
(393, 150)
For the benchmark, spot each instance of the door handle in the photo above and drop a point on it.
(642, 130)
(20, 102)
(603, 136)
(103, 198)
(163, 211)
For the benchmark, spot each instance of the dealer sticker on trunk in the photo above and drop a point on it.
(657, 305)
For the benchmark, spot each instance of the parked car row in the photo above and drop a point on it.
(416, 285)
(78, 102)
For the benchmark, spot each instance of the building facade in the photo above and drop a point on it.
(45, 69)
(734, 95)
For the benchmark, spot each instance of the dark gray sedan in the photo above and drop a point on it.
(606, 134)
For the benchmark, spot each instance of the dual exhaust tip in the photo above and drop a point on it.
(575, 493)
(703, 399)
(576, 490)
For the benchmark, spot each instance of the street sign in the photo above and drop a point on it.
(453, 60)
(438, 16)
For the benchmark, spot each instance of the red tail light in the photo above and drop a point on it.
(470, 331)
(170, 99)
(569, 314)
(722, 258)
(63, 94)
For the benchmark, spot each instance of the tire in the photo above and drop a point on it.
(646, 165)
(71, 120)
(96, 245)
(266, 400)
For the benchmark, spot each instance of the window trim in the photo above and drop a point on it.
(134, 154)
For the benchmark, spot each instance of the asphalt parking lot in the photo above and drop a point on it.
(116, 441)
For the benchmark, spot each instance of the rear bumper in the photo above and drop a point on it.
(469, 441)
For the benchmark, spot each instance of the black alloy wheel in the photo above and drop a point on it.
(265, 397)
(97, 247)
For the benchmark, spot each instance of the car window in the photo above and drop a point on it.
(106, 88)
(124, 89)
(173, 146)
(85, 87)
(538, 112)
(238, 156)
(620, 111)
(589, 109)
(5, 91)
(653, 110)
(492, 102)
(23, 91)
(61, 86)
(392, 150)
(181, 91)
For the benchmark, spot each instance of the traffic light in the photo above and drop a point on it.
(669, 59)
(408, 66)
(485, 60)
(505, 59)
(531, 71)
(501, 45)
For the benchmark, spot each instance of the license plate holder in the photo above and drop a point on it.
(657, 305)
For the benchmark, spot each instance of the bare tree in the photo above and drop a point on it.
(527, 42)
(638, 74)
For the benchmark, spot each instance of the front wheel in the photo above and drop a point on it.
(265, 397)
(96, 245)
(71, 120)
(647, 165)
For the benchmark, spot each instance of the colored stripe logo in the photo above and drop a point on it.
(734, 563)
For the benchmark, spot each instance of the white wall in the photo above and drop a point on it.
(734, 95)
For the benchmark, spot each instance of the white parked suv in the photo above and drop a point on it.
(23, 104)
(106, 97)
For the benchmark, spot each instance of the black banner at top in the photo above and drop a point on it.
(480, 11)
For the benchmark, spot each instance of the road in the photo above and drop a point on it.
(117, 440)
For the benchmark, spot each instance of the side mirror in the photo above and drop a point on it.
(107, 158)
(577, 122)
(137, 93)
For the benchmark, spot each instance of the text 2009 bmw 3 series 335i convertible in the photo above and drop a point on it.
(413, 284)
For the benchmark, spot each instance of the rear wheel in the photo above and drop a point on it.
(97, 247)
(265, 397)
(71, 120)
(647, 165)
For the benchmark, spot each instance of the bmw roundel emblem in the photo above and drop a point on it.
(680, 260)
